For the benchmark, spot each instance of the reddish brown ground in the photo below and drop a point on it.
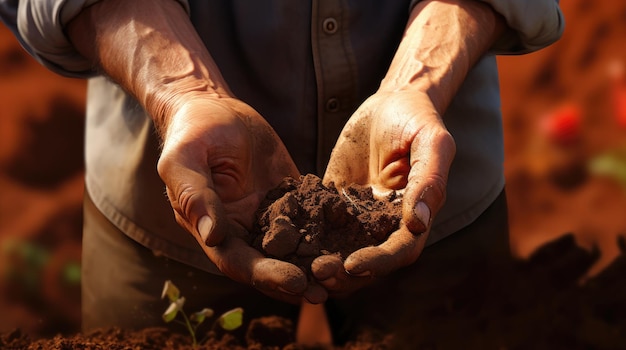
(269, 331)
(550, 193)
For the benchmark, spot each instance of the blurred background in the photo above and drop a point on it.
(565, 129)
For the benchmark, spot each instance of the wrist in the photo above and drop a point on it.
(442, 41)
(155, 56)
(164, 99)
(419, 80)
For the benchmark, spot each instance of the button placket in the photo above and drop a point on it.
(335, 72)
(330, 27)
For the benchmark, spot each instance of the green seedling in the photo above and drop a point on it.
(230, 320)
(611, 164)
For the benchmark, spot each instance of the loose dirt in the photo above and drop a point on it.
(547, 305)
(270, 332)
(540, 305)
(302, 219)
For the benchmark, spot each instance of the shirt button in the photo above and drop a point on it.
(330, 25)
(332, 104)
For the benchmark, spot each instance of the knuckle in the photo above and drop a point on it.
(183, 198)
(445, 142)
(186, 198)
(436, 187)
(164, 165)
(438, 184)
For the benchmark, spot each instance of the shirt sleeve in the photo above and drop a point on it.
(40, 27)
(532, 24)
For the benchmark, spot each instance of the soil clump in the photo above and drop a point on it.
(302, 219)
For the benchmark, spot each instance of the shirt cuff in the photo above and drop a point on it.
(41, 26)
(532, 24)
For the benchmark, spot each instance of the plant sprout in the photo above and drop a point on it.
(230, 320)
(611, 164)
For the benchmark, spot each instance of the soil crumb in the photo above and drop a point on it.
(302, 219)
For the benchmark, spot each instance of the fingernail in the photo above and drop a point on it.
(422, 212)
(205, 226)
(362, 274)
(281, 289)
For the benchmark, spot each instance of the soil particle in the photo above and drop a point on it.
(541, 296)
(302, 219)
(271, 331)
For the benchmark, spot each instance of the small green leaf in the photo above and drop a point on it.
(611, 164)
(232, 319)
(200, 316)
(171, 291)
(71, 273)
(172, 310)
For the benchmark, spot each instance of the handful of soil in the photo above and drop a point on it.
(302, 219)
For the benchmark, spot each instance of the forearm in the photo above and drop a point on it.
(150, 48)
(442, 42)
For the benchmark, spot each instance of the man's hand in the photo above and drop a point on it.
(393, 142)
(397, 140)
(219, 155)
(219, 159)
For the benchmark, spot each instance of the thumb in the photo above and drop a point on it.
(196, 205)
(432, 152)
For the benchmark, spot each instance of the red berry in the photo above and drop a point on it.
(563, 125)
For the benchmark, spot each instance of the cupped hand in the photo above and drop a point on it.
(219, 159)
(395, 141)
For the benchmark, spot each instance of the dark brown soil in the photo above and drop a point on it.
(302, 219)
(546, 304)
(541, 304)
(270, 332)
(149, 338)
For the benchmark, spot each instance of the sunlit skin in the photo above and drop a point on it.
(216, 149)
(220, 157)
(400, 138)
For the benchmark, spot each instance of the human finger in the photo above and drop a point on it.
(330, 273)
(400, 249)
(197, 207)
(431, 155)
(275, 278)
